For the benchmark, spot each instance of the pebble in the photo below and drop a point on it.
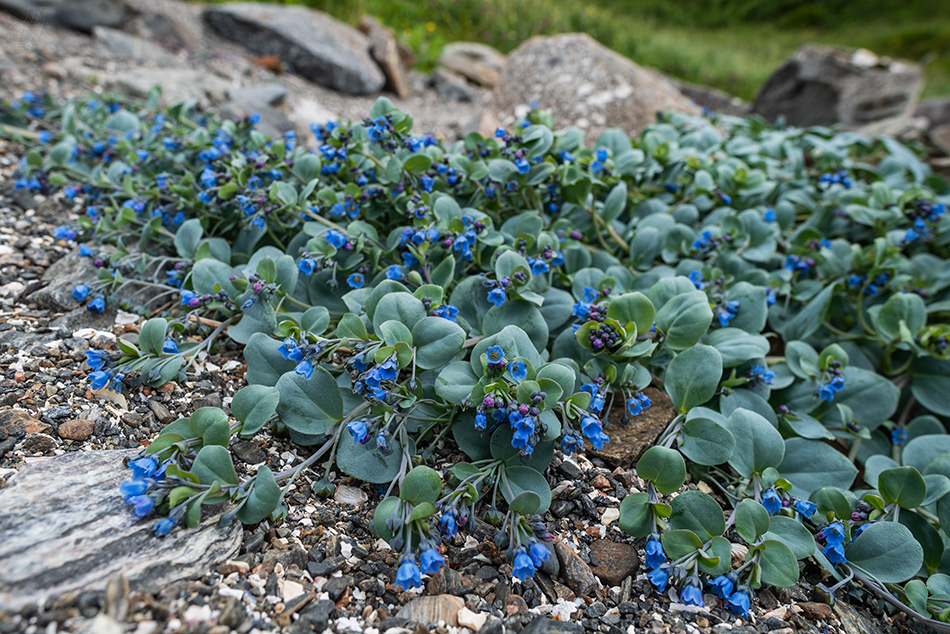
(615, 561)
(78, 429)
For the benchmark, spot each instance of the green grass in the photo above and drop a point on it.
(730, 44)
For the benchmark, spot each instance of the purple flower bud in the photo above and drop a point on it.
(257, 287)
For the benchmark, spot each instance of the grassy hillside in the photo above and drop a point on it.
(730, 44)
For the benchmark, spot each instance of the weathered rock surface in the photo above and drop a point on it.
(475, 61)
(81, 15)
(629, 440)
(133, 48)
(259, 99)
(576, 574)
(450, 85)
(821, 85)
(615, 561)
(713, 99)
(177, 84)
(64, 527)
(433, 609)
(312, 44)
(584, 84)
(392, 57)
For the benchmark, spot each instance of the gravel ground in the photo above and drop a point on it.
(322, 569)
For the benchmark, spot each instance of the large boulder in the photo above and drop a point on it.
(393, 58)
(64, 528)
(584, 84)
(311, 43)
(477, 62)
(822, 85)
(81, 15)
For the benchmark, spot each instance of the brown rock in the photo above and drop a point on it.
(161, 412)
(615, 561)
(433, 609)
(516, 605)
(449, 581)
(576, 574)
(38, 443)
(940, 137)
(628, 441)
(816, 611)
(583, 83)
(78, 429)
(270, 62)
(15, 421)
(601, 482)
(389, 54)
(475, 61)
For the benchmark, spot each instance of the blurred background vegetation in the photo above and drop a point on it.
(733, 45)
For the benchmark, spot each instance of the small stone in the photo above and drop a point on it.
(616, 561)
(433, 609)
(249, 452)
(816, 611)
(516, 605)
(336, 586)
(477, 62)
(326, 567)
(350, 495)
(78, 429)
(450, 581)
(38, 443)
(450, 85)
(600, 482)
(161, 412)
(612, 514)
(290, 589)
(472, 620)
(576, 574)
(15, 422)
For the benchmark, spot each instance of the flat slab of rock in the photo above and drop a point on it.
(583, 83)
(313, 44)
(822, 85)
(64, 528)
(133, 48)
(629, 441)
(81, 15)
(434, 609)
(393, 58)
(475, 61)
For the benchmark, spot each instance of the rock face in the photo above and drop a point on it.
(133, 48)
(629, 440)
(312, 44)
(476, 62)
(392, 57)
(821, 85)
(64, 527)
(81, 15)
(584, 84)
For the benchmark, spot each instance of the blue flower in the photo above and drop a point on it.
(518, 370)
(771, 501)
(63, 232)
(523, 567)
(335, 238)
(539, 266)
(601, 154)
(131, 488)
(522, 165)
(805, 508)
(659, 577)
(449, 527)
(304, 369)
(427, 183)
(307, 266)
(539, 554)
(96, 359)
(760, 374)
(85, 251)
(290, 351)
(393, 272)
(481, 421)
(359, 429)
(654, 553)
(170, 347)
(696, 277)
(80, 292)
(408, 575)
(208, 178)
(500, 133)
(143, 467)
(722, 586)
(898, 436)
(99, 379)
(571, 443)
(769, 215)
(834, 533)
(163, 526)
(355, 280)
(834, 553)
(142, 504)
(431, 561)
(594, 431)
(692, 594)
(740, 602)
(97, 305)
(497, 296)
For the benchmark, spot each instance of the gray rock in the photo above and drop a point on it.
(133, 48)
(259, 99)
(433, 609)
(713, 99)
(936, 110)
(475, 61)
(576, 574)
(542, 625)
(81, 15)
(821, 85)
(393, 58)
(450, 85)
(64, 527)
(583, 83)
(177, 84)
(270, 94)
(313, 44)
(63, 276)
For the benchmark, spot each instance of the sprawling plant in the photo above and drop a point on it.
(786, 288)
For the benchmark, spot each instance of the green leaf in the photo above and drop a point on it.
(402, 307)
(921, 451)
(906, 308)
(365, 462)
(793, 534)
(758, 444)
(693, 376)
(513, 341)
(521, 479)
(383, 512)
(187, 237)
(526, 503)
(706, 441)
(309, 407)
(930, 384)
(831, 500)
(437, 342)
(211, 425)
(526, 315)
(213, 463)
(778, 564)
(684, 319)
(635, 514)
(887, 551)
(265, 364)
(871, 397)
(902, 485)
(752, 520)
(615, 203)
(679, 543)
(811, 465)
(805, 321)
(632, 307)
(152, 335)
(455, 382)
(422, 484)
(664, 467)
(254, 406)
(475, 444)
(737, 347)
(264, 497)
(697, 512)
(258, 318)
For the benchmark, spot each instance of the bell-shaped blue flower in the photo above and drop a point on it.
(722, 586)
(655, 556)
(539, 553)
(692, 594)
(142, 504)
(448, 524)
(431, 561)
(163, 526)
(660, 578)
(80, 292)
(304, 369)
(131, 488)
(96, 359)
(97, 305)
(408, 575)
(497, 296)
(523, 567)
(495, 354)
(739, 603)
(170, 347)
(771, 501)
(518, 370)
